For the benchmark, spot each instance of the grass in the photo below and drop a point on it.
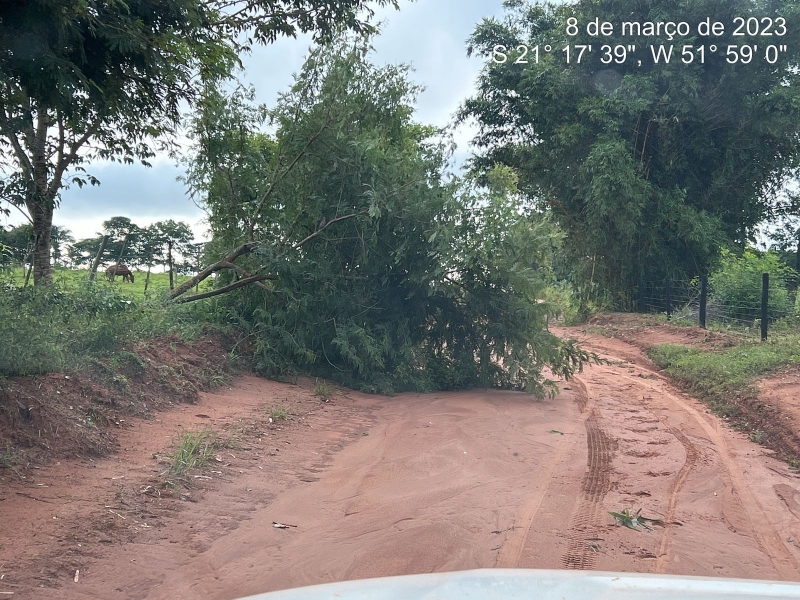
(67, 325)
(726, 381)
(633, 520)
(195, 449)
(9, 459)
(72, 278)
(278, 413)
(731, 371)
(322, 390)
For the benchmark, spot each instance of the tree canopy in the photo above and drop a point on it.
(370, 267)
(91, 80)
(649, 168)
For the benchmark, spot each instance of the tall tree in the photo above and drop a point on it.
(123, 235)
(60, 238)
(648, 166)
(92, 80)
(172, 239)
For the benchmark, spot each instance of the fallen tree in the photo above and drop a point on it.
(341, 249)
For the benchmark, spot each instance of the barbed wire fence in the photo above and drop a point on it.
(696, 301)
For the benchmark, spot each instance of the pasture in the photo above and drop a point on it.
(73, 278)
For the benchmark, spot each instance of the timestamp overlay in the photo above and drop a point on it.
(667, 42)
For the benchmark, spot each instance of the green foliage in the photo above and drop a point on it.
(322, 389)
(383, 275)
(107, 80)
(64, 326)
(633, 520)
(45, 330)
(723, 376)
(278, 413)
(737, 284)
(649, 169)
(195, 449)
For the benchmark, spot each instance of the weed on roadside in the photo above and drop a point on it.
(9, 459)
(278, 413)
(634, 520)
(194, 449)
(322, 390)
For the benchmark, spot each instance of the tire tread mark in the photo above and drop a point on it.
(596, 484)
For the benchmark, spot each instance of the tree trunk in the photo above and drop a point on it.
(797, 255)
(169, 262)
(96, 261)
(42, 216)
(40, 201)
(147, 278)
(124, 246)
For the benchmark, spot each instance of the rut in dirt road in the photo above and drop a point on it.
(597, 482)
(705, 444)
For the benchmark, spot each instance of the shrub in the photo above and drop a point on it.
(736, 286)
(57, 327)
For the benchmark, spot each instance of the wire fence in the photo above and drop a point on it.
(747, 311)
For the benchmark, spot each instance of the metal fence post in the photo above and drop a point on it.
(764, 302)
(703, 299)
(668, 292)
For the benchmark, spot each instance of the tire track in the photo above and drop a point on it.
(763, 531)
(511, 551)
(692, 456)
(596, 483)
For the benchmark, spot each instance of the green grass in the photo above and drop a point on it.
(278, 413)
(721, 377)
(71, 278)
(195, 449)
(322, 390)
(67, 325)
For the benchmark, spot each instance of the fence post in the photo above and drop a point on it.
(668, 293)
(764, 301)
(98, 258)
(703, 299)
(640, 302)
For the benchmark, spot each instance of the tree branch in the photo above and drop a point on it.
(225, 263)
(279, 177)
(55, 184)
(227, 288)
(328, 224)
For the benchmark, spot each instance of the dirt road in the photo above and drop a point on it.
(375, 486)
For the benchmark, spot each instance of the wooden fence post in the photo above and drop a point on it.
(98, 258)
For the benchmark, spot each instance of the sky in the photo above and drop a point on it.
(429, 35)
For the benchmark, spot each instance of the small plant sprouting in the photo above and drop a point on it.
(632, 521)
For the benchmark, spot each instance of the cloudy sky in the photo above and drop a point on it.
(430, 35)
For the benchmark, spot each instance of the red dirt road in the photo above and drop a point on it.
(417, 483)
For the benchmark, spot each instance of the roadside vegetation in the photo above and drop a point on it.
(64, 326)
(725, 378)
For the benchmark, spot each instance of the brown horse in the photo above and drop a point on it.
(114, 270)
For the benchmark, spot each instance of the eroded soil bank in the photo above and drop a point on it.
(374, 486)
